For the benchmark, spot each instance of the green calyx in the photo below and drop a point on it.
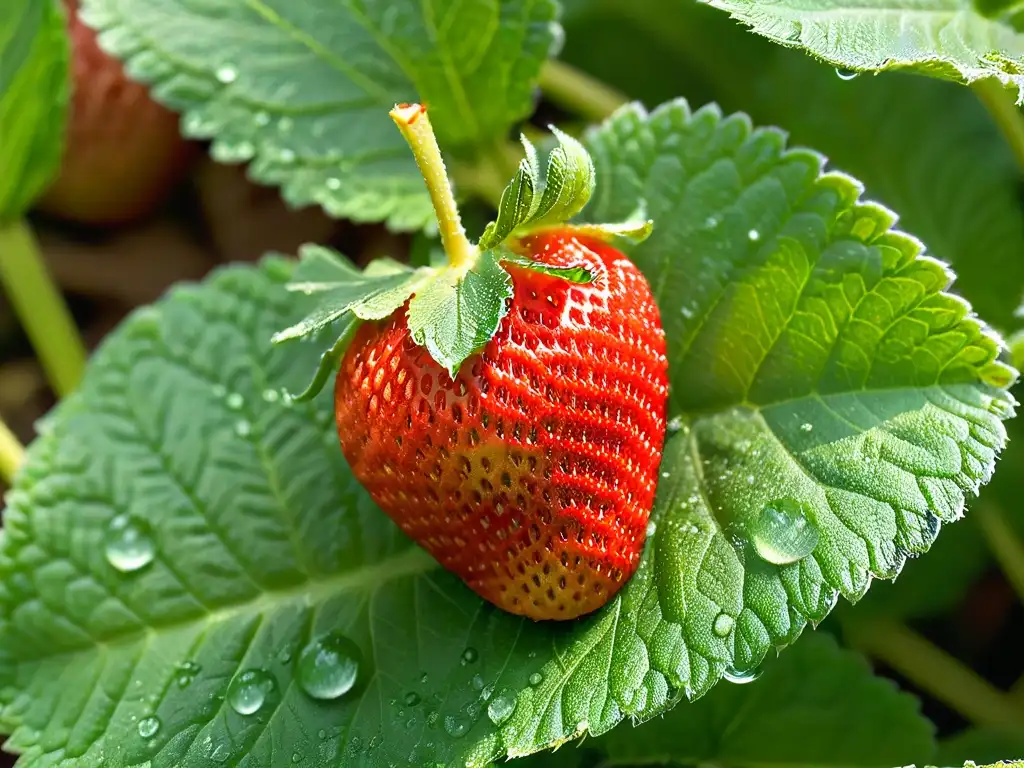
(454, 309)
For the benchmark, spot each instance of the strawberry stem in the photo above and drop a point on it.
(413, 122)
(40, 306)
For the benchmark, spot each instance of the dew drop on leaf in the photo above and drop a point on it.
(149, 726)
(227, 74)
(129, 544)
(723, 624)
(412, 699)
(477, 682)
(501, 708)
(846, 74)
(753, 235)
(675, 424)
(536, 679)
(248, 691)
(469, 656)
(235, 401)
(782, 533)
(328, 666)
(454, 727)
(243, 428)
(271, 395)
(741, 677)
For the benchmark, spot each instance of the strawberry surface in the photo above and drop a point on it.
(531, 475)
(124, 151)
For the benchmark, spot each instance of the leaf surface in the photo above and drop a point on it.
(261, 539)
(303, 88)
(817, 705)
(33, 100)
(953, 39)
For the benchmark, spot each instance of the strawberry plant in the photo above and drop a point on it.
(597, 464)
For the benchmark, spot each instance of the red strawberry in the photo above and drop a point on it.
(124, 151)
(532, 474)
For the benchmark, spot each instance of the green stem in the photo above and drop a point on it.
(1001, 105)
(578, 92)
(41, 308)
(1004, 543)
(12, 453)
(414, 123)
(935, 671)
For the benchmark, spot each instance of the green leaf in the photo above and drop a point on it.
(572, 274)
(926, 148)
(958, 41)
(261, 539)
(304, 88)
(33, 100)
(458, 312)
(817, 705)
(372, 294)
(527, 202)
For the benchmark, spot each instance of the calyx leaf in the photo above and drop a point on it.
(529, 203)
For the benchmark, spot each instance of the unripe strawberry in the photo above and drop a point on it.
(532, 474)
(124, 151)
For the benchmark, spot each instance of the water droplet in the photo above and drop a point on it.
(287, 156)
(807, 427)
(410, 723)
(846, 74)
(741, 677)
(129, 544)
(782, 533)
(328, 666)
(469, 656)
(235, 401)
(227, 74)
(711, 222)
(296, 757)
(243, 428)
(271, 395)
(723, 624)
(219, 390)
(536, 679)
(501, 708)
(675, 424)
(454, 727)
(412, 699)
(424, 678)
(477, 682)
(284, 124)
(753, 235)
(148, 726)
(262, 118)
(333, 184)
(249, 690)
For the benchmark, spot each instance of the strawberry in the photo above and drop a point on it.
(506, 410)
(531, 475)
(124, 151)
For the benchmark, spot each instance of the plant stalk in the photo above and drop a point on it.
(413, 122)
(578, 92)
(12, 453)
(1004, 543)
(41, 308)
(936, 672)
(1003, 108)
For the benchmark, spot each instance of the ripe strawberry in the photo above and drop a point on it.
(124, 151)
(532, 474)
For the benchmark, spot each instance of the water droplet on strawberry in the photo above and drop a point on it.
(328, 666)
(782, 532)
(149, 726)
(723, 624)
(501, 708)
(249, 690)
(129, 544)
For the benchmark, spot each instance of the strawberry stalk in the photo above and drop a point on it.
(40, 307)
(414, 123)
